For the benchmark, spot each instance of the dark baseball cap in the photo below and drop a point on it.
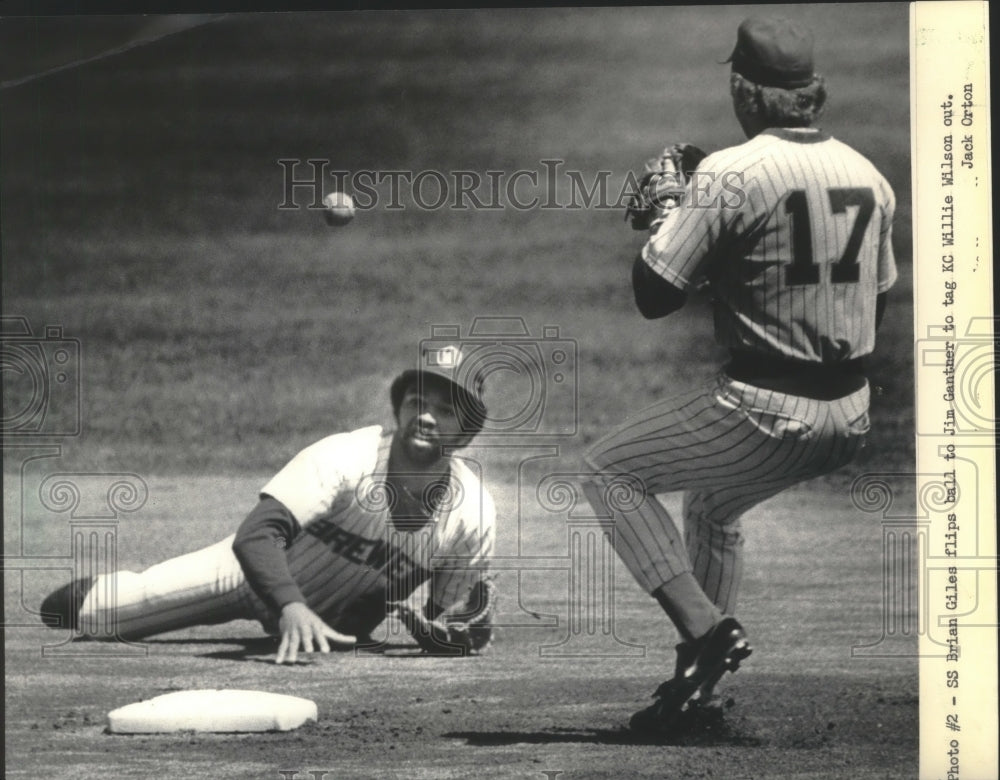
(448, 365)
(774, 52)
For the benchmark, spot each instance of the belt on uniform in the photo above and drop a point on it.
(823, 381)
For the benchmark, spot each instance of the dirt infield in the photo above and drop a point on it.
(540, 700)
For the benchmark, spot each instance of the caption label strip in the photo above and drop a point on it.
(956, 365)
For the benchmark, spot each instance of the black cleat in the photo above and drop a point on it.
(688, 695)
(658, 719)
(61, 608)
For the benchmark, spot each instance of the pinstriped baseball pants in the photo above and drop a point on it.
(728, 446)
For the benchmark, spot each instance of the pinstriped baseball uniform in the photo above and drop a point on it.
(729, 447)
(346, 561)
(350, 555)
(791, 231)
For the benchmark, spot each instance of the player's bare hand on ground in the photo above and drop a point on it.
(303, 628)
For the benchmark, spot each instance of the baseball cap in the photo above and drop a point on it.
(774, 52)
(449, 363)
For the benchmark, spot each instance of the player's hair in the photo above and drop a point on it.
(777, 107)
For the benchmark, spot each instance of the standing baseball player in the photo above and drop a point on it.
(341, 536)
(791, 234)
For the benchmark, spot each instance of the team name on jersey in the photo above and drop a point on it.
(376, 554)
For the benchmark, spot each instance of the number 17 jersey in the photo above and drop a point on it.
(792, 231)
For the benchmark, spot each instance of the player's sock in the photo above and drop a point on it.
(687, 606)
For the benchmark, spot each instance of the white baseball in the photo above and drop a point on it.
(339, 208)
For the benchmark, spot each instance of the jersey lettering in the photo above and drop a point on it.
(375, 554)
(803, 269)
(846, 269)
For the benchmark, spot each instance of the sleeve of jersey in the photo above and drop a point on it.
(452, 582)
(684, 243)
(886, 259)
(311, 481)
(260, 545)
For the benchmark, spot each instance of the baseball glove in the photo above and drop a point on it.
(662, 185)
(461, 633)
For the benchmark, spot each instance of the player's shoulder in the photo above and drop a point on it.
(846, 151)
(746, 163)
(769, 149)
(347, 449)
(355, 438)
(741, 156)
(323, 468)
(864, 168)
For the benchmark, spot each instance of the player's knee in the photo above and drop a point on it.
(721, 533)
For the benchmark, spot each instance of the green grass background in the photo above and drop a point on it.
(140, 200)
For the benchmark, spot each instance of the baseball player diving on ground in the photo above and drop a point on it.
(790, 232)
(341, 536)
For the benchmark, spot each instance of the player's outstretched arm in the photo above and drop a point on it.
(302, 628)
(260, 545)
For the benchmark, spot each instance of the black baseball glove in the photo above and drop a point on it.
(662, 185)
(466, 632)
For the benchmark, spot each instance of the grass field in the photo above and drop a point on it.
(219, 333)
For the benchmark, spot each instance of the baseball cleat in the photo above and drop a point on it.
(688, 695)
(707, 713)
(61, 608)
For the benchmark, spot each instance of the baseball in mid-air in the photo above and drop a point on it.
(339, 208)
